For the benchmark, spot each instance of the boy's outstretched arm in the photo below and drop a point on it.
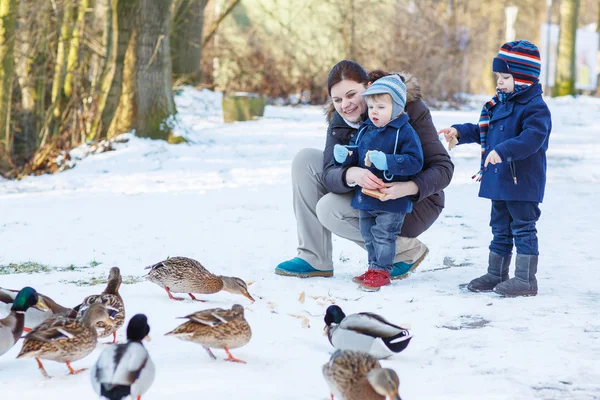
(536, 126)
(467, 133)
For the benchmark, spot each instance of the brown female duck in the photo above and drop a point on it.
(218, 328)
(353, 375)
(111, 298)
(64, 339)
(185, 275)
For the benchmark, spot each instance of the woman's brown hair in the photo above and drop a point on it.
(347, 69)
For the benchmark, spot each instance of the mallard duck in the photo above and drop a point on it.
(354, 375)
(34, 316)
(218, 328)
(365, 332)
(185, 275)
(111, 298)
(125, 369)
(63, 339)
(11, 327)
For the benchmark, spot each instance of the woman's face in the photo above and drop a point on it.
(347, 99)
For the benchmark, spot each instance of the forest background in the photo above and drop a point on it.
(82, 71)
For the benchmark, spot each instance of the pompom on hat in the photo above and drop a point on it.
(521, 59)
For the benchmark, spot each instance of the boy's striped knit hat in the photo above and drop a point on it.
(392, 85)
(521, 59)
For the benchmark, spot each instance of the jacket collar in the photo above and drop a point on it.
(396, 123)
(526, 95)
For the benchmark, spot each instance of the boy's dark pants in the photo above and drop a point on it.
(380, 230)
(514, 221)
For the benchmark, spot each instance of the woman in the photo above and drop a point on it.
(323, 192)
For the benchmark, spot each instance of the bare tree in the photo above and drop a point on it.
(155, 103)
(8, 16)
(186, 49)
(24, 141)
(565, 64)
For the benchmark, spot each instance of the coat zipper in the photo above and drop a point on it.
(512, 171)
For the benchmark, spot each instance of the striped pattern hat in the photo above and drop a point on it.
(392, 85)
(521, 59)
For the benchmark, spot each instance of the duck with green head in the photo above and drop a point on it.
(34, 316)
(11, 327)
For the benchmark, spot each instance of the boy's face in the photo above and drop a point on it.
(380, 109)
(505, 82)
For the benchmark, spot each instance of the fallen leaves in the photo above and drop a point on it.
(305, 320)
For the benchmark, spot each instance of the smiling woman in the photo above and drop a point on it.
(322, 192)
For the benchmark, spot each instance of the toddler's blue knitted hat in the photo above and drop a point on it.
(392, 85)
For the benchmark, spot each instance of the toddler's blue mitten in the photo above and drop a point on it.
(340, 153)
(379, 160)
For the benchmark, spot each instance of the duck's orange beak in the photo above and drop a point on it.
(247, 295)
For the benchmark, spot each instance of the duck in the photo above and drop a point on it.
(113, 301)
(11, 327)
(354, 375)
(218, 328)
(367, 332)
(34, 315)
(65, 340)
(125, 369)
(186, 275)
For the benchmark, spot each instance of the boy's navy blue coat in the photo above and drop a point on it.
(404, 160)
(519, 131)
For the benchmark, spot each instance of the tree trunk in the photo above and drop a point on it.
(119, 113)
(565, 64)
(108, 70)
(155, 104)
(61, 56)
(74, 47)
(8, 16)
(24, 140)
(187, 39)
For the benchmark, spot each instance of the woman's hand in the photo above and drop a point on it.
(397, 190)
(363, 178)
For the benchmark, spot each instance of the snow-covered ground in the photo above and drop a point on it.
(225, 200)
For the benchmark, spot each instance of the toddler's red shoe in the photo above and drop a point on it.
(374, 279)
(359, 279)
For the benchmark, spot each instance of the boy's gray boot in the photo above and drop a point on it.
(497, 273)
(524, 282)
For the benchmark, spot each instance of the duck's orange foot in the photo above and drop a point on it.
(114, 341)
(171, 296)
(74, 371)
(41, 367)
(26, 330)
(194, 298)
(231, 358)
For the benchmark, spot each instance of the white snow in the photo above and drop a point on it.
(225, 199)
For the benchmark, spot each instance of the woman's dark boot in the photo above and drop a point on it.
(497, 273)
(524, 282)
